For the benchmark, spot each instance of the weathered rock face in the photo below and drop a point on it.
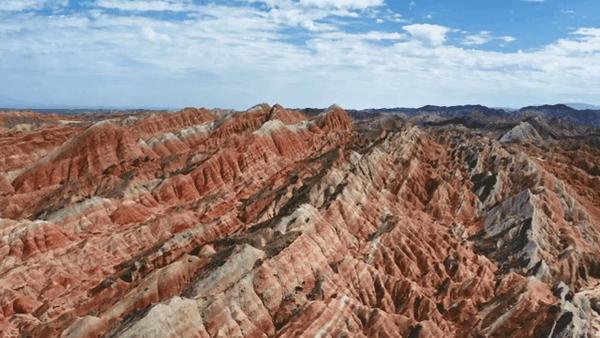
(270, 223)
(521, 133)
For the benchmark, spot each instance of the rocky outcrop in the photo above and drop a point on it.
(334, 118)
(521, 133)
(271, 223)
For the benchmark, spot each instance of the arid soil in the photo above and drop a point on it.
(271, 223)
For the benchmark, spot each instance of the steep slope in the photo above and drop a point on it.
(524, 132)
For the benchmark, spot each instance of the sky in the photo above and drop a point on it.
(299, 53)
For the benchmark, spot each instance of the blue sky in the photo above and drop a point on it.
(357, 53)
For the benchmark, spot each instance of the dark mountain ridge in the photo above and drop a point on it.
(588, 117)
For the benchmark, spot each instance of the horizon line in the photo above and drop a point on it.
(590, 106)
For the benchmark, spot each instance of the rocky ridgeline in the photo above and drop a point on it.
(270, 222)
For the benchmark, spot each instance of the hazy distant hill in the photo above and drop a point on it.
(582, 106)
(590, 117)
(562, 111)
(453, 111)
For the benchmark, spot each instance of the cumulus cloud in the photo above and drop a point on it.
(310, 14)
(428, 33)
(588, 32)
(585, 41)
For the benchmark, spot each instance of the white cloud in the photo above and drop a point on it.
(484, 37)
(145, 5)
(431, 34)
(585, 41)
(310, 14)
(24, 5)
(477, 39)
(19, 5)
(342, 4)
(588, 32)
(368, 36)
(323, 4)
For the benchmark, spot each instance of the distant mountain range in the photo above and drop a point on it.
(582, 106)
(561, 111)
(589, 117)
(586, 114)
(449, 111)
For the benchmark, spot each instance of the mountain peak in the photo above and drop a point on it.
(335, 117)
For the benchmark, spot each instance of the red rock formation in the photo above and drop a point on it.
(91, 152)
(165, 122)
(20, 150)
(335, 118)
(269, 223)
